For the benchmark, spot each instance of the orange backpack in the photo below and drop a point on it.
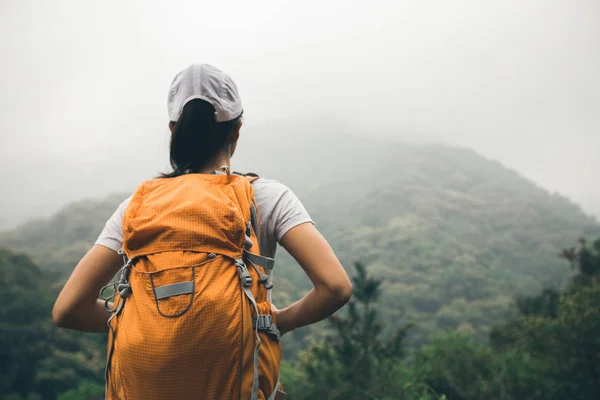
(191, 318)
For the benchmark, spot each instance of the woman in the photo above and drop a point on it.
(199, 222)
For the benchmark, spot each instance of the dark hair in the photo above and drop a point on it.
(197, 138)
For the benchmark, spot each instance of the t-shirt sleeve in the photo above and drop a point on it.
(112, 234)
(288, 212)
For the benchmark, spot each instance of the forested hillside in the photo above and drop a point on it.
(37, 360)
(454, 236)
(548, 350)
(58, 243)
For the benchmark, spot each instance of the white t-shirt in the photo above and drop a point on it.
(278, 207)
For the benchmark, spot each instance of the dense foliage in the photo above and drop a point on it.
(355, 361)
(550, 350)
(37, 360)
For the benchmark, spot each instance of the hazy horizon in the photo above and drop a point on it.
(83, 85)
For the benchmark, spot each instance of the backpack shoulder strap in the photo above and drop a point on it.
(253, 211)
(265, 262)
(254, 219)
(250, 175)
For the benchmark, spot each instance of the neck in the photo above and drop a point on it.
(216, 164)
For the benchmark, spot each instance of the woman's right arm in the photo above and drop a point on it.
(332, 287)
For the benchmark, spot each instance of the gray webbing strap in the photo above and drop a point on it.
(274, 332)
(258, 342)
(274, 392)
(174, 289)
(108, 361)
(112, 342)
(122, 287)
(265, 262)
(109, 358)
(254, 219)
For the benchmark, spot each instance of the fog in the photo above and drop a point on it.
(83, 85)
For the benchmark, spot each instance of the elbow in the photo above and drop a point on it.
(60, 316)
(341, 293)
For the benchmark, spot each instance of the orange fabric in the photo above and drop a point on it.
(198, 345)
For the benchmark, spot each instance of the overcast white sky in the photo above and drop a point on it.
(82, 82)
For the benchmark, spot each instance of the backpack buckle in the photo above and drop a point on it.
(124, 289)
(245, 276)
(262, 322)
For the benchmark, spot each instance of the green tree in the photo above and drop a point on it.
(453, 363)
(355, 361)
(37, 360)
(87, 390)
(562, 331)
(549, 351)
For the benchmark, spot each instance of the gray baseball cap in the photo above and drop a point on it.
(203, 81)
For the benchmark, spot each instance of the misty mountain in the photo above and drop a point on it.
(515, 80)
(454, 235)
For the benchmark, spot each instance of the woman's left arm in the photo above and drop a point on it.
(77, 306)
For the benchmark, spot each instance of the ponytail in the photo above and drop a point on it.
(197, 138)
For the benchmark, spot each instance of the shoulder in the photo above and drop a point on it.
(124, 204)
(116, 219)
(272, 193)
(112, 234)
(269, 186)
(279, 207)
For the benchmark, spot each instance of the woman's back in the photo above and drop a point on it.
(195, 291)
